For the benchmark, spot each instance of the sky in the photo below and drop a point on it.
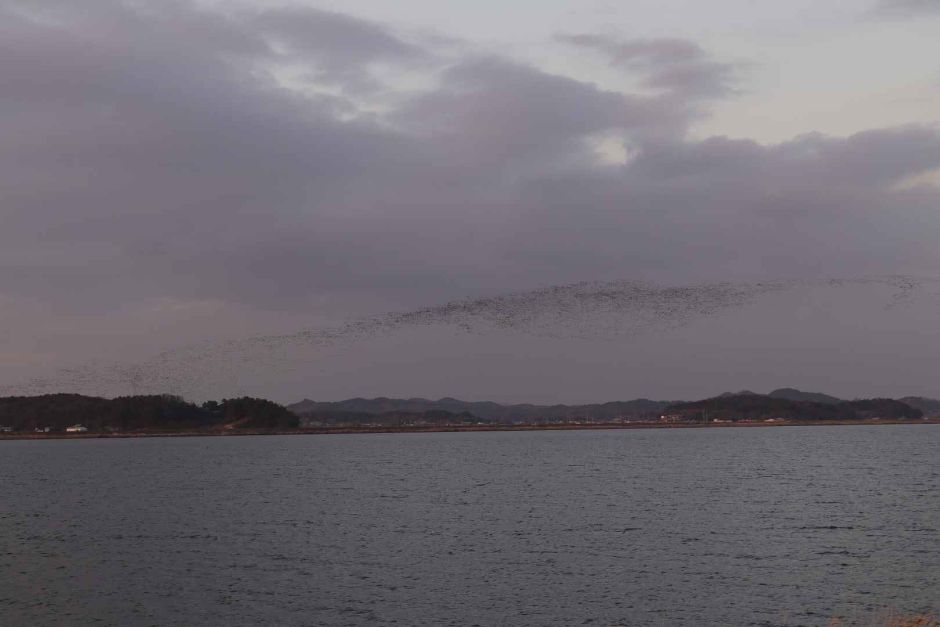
(361, 198)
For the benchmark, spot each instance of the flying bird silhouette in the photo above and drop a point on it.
(580, 310)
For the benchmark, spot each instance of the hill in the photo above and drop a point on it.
(792, 394)
(252, 413)
(764, 407)
(929, 406)
(139, 413)
(639, 409)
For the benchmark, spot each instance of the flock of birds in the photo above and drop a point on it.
(581, 310)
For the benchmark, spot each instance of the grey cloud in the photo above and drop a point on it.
(657, 51)
(875, 158)
(340, 47)
(739, 209)
(675, 65)
(154, 154)
(907, 7)
(502, 113)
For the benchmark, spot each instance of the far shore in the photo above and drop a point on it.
(347, 430)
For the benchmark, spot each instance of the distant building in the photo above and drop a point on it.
(671, 418)
(76, 429)
(5, 429)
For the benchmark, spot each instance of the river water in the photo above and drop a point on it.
(737, 526)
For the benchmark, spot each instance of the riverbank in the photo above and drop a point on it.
(346, 430)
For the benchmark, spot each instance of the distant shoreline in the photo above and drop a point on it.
(461, 429)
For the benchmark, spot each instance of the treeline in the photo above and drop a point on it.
(163, 412)
(761, 407)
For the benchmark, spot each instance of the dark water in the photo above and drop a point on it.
(777, 526)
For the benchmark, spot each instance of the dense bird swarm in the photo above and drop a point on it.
(581, 310)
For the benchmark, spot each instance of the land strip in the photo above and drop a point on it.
(348, 430)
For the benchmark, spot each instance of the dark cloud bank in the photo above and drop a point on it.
(264, 158)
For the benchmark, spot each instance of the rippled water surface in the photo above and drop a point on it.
(768, 526)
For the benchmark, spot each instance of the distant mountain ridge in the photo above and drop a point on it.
(636, 409)
(782, 400)
(792, 394)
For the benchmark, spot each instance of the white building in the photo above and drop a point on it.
(76, 429)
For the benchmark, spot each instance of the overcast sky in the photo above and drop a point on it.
(183, 172)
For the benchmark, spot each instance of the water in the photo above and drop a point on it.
(768, 526)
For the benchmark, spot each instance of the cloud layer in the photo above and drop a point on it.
(674, 65)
